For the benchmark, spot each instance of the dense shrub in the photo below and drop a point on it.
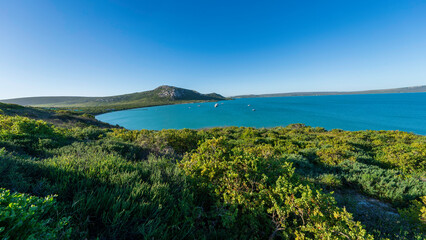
(88, 133)
(330, 180)
(29, 136)
(12, 127)
(126, 150)
(407, 157)
(416, 213)
(28, 217)
(390, 185)
(219, 183)
(261, 197)
(181, 141)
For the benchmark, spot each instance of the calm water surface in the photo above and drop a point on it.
(400, 111)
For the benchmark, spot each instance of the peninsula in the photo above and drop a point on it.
(163, 95)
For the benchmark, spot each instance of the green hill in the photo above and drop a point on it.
(162, 95)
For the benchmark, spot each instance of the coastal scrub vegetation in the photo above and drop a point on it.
(293, 182)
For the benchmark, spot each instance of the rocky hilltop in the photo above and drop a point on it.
(175, 93)
(170, 92)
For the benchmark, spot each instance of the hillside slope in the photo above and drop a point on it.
(160, 96)
(65, 119)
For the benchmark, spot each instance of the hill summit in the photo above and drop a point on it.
(175, 93)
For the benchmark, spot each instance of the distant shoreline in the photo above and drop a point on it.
(416, 89)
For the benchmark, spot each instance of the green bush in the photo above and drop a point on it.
(386, 184)
(260, 196)
(27, 217)
(407, 157)
(30, 136)
(88, 133)
(416, 213)
(12, 127)
(330, 181)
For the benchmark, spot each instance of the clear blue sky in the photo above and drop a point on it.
(99, 48)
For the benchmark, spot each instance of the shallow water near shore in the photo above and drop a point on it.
(398, 111)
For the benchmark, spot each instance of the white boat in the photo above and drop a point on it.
(216, 105)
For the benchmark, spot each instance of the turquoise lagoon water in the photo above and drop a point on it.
(399, 111)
